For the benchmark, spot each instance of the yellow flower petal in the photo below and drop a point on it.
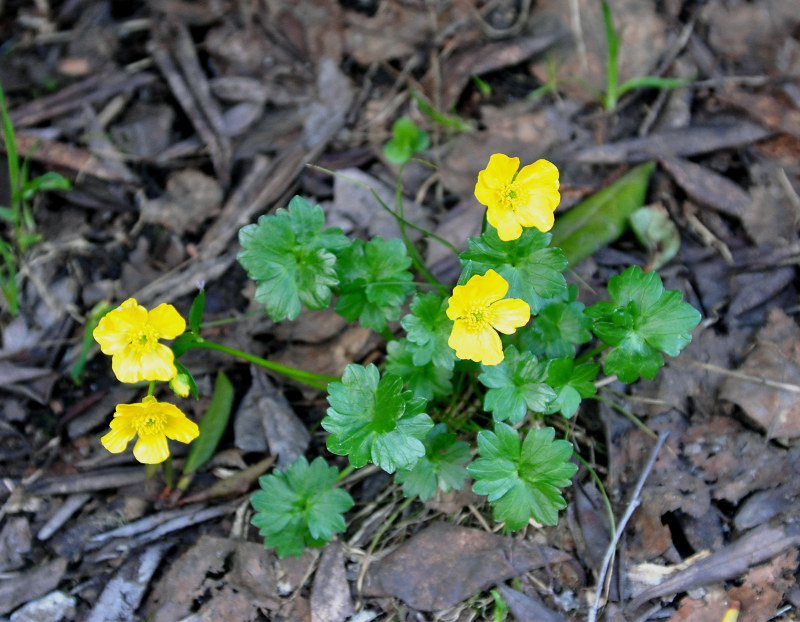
(117, 440)
(166, 321)
(479, 346)
(506, 223)
(178, 426)
(115, 327)
(491, 348)
(131, 335)
(537, 213)
(516, 200)
(500, 171)
(153, 422)
(151, 449)
(127, 365)
(485, 194)
(157, 363)
(541, 173)
(510, 314)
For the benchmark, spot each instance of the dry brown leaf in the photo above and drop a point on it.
(330, 594)
(190, 199)
(24, 587)
(510, 130)
(265, 418)
(642, 30)
(707, 187)
(776, 356)
(765, 587)
(444, 564)
(688, 141)
(354, 206)
(736, 460)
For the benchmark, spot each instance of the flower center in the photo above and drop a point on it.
(149, 424)
(144, 339)
(511, 195)
(478, 318)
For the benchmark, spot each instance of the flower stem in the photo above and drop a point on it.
(318, 381)
(589, 354)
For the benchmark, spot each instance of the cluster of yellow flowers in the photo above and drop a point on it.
(130, 334)
(514, 199)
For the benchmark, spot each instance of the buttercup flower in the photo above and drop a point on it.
(514, 199)
(479, 311)
(130, 334)
(154, 422)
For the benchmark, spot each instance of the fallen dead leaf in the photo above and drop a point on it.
(689, 141)
(444, 564)
(266, 419)
(776, 357)
(639, 23)
(330, 594)
(528, 609)
(354, 206)
(707, 187)
(30, 585)
(190, 199)
(764, 588)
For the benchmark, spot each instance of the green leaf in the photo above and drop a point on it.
(407, 139)
(602, 218)
(374, 281)
(428, 327)
(373, 419)
(557, 329)
(300, 507)
(643, 321)
(196, 311)
(657, 233)
(516, 385)
(442, 465)
(522, 480)
(291, 259)
(571, 384)
(427, 380)
(212, 426)
(533, 270)
(44, 183)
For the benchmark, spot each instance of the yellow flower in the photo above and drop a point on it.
(514, 199)
(130, 334)
(479, 312)
(153, 422)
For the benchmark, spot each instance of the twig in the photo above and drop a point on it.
(784, 386)
(612, 546)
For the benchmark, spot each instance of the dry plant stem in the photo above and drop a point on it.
(792, 388)
(378, 535)
(632, 505)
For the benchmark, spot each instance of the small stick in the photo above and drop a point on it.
(612, 546)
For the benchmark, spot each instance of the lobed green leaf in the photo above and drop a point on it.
(442, 465)
(374, 281)
(516, 385)
(300, 507)
(643, 321)
(522, 480)
(291, 258)
(373, 419)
